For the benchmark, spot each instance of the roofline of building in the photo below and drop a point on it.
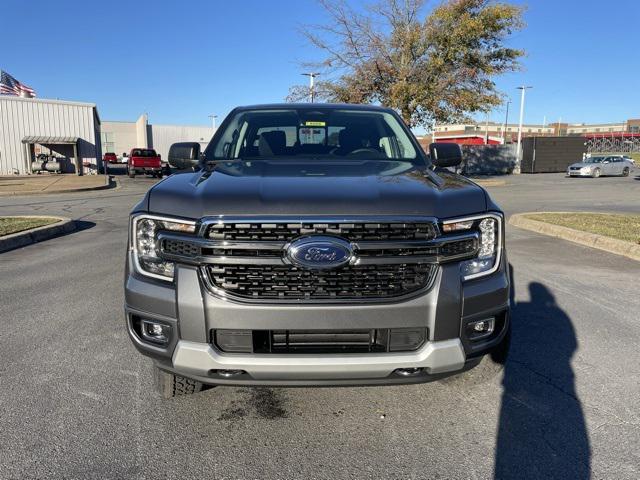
(47, 100)
(179, 125)
(120, 121)
(464, 135)
(536, 125)
(56, 102)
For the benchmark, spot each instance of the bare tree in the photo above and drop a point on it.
(439, 66)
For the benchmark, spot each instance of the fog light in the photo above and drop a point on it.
(480, 328)
(155, 332)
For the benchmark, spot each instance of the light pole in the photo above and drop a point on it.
(486, 130)
(213, 121)
(506, 122)
(312, 76)
(522, 89)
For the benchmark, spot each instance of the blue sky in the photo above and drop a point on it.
(181, 61)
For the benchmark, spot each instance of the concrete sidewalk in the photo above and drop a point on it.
(51, 183)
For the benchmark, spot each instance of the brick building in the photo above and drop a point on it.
(494, 132)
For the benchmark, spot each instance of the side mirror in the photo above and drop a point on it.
(184, 155)
(445, 154)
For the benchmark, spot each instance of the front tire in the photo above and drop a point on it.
(625, 172)
(170, 385)
(596, 173)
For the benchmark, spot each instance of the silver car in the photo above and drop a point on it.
(597, 166)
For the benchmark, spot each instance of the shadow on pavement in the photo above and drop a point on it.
(541, 431)
(84, 225)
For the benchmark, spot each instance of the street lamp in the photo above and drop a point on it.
(213, 121)
(312, 76)
(522, 89)
(506, 122)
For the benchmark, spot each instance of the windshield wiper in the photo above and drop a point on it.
(218, 161)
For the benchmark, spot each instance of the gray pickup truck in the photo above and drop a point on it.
(317, 245)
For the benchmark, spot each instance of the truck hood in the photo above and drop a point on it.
(316, 190)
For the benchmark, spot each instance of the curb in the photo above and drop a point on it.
(106, 186)
(22, 239)
(593, 240)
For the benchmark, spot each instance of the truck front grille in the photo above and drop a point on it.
(370, 231)
(288, 282)
(252, 260)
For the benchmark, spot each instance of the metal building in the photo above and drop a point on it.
(162, 136)
(67, 130)
(120, 137)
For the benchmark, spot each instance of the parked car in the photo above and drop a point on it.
(144, 160)
(601, 165)
(316, 245)
(124, 158)
(110, 157)
(626, 158)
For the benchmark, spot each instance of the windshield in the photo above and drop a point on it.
(144, 153)
(320, 134)
(593, 160)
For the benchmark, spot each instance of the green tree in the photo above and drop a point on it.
(436, 67)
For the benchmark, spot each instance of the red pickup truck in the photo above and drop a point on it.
(110, 157)
(144, 160)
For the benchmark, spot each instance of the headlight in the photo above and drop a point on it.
(489, 228)
(144, 243)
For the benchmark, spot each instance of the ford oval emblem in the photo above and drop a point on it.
(320, 253)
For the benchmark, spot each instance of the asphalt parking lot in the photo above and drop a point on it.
(77, 400)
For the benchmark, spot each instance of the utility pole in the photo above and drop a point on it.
(486, 130)
(213, 121)
(522, 89)
(506, 122)
(312, 93)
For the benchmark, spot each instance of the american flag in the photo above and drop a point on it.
(11, 86)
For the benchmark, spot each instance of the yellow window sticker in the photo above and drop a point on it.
(314, 124)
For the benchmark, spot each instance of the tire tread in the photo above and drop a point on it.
(170, 385)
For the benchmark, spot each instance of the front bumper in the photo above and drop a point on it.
(201, 361)
(192, 312)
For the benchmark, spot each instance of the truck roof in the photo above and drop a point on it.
(313, 106)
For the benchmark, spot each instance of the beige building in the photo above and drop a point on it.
(120, 137)
(73, 133)
(69, 131)
(510, 131)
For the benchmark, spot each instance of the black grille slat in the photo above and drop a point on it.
(385, 231)
(288, 282)
(181, 248)
(301, 341)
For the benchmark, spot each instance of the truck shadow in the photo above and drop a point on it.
(541, 430)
